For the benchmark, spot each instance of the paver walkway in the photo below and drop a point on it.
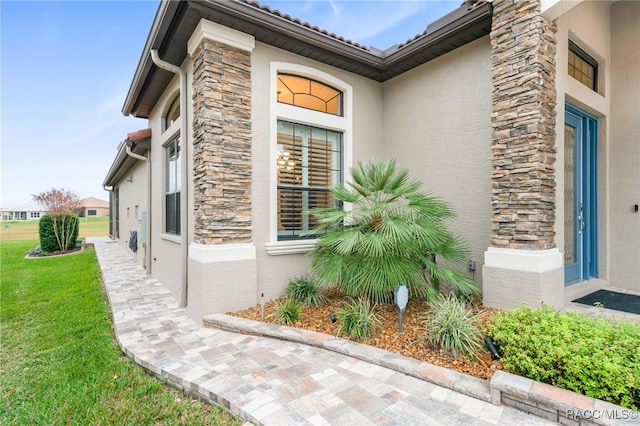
(269, 381)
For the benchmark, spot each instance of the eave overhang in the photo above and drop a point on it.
(123, 163)
(175, 22)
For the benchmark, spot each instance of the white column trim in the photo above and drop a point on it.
(523, 260)
(204, 253)
(225, 35)
(552, 9)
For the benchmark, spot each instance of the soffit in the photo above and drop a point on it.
(123, 163)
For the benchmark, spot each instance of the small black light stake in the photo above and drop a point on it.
(262, 306)
(401, 297)
(492, 348)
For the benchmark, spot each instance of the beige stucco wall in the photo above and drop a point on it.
(462, 124)
(166, 262)
(274, 271)
(625, 145)
(437, 123)
(133, 201)
(588, 25)
(100, 211)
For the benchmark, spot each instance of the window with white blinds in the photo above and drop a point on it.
(309, 161)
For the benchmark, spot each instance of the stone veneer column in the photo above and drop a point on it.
(221, 143)
(523, 263)
(222, 258)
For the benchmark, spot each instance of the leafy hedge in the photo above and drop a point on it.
(597, 357)
(58, 231)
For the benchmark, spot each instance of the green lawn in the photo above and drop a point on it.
(59, 360)
(28, 229)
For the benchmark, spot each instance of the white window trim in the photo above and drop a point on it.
(168, 137)
(280, 111)
(170, 237)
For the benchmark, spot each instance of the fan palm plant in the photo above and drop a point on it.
(391, 235)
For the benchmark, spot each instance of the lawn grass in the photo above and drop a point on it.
(28, 229)
(59, 361)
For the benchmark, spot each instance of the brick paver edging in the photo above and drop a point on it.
(450, 379)
(550, 402)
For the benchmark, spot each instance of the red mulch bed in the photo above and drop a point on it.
(409, 343)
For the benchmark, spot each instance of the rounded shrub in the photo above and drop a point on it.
(58, 231)
(593, 356)
(48, 240)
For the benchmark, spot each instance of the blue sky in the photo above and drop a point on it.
(65, 68)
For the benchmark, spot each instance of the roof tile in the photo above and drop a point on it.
(286, 16)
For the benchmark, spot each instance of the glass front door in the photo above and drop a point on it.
(580, 195)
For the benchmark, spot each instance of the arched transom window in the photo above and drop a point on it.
(307, 93)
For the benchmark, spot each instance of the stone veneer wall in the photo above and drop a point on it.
(523, 118)
(221, 144)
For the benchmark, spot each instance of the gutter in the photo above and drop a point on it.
(184, 223)
(111, 218)
(133, 154)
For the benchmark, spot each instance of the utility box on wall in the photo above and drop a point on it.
(143, 228)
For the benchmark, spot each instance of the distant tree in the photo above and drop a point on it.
(57, 200)
(59, 228)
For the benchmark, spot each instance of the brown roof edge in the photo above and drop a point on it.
(160, 26)
(280, 30)
(139, 135)
(297, 21)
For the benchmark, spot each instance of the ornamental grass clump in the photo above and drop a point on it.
(391, 235)
(287, 312)
(357, 320)
(451, 326)
(304, 290)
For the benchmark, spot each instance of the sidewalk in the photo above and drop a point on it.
(270, 381)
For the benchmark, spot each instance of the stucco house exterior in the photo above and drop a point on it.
(93, 207)
(29, 211)
(522, 115)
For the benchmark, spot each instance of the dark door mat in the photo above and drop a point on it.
(613, 300)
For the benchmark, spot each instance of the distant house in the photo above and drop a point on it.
(30, 211)
(93, 207)
(522, 115)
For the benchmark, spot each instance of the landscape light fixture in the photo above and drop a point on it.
(400, 298)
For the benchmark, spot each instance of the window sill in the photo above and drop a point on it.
(173, 238)
(289, 247)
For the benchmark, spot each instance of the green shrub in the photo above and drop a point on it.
(357, 320)
(48, 240)
(287, 312)
(304, 290)
(58, 231)
(391, 235)
(593, 356)
(452, 327)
